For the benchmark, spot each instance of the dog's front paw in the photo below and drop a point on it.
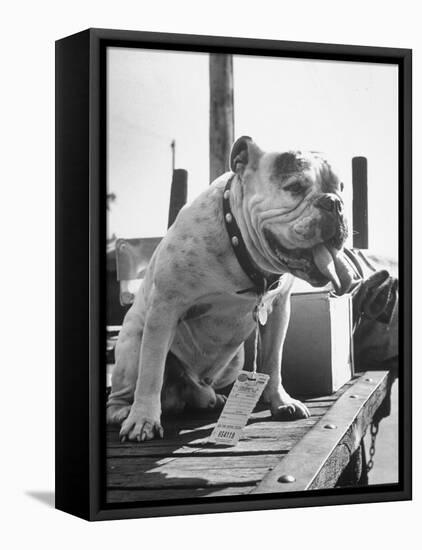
(289, 409)
(139, 426)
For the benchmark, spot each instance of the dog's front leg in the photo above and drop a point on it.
(143, 421)
(273, 335)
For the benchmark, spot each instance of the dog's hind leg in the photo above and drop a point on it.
(181, 389)
(204, 394)
(201, 395)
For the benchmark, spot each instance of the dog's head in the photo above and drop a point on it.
(295, 208)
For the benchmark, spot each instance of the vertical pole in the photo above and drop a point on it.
(173, 155)
(178, 193)
(221, 113)
(360, 202)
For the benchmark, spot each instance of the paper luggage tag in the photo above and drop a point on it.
(241, 402)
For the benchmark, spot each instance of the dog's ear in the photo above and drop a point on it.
(244, 151)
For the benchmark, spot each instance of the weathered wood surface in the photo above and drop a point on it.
(119, 496)
(360, 202)
(178, 193)
(184, 465)
(221, 113)
(320, 457)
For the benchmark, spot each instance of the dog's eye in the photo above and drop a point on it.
(295, 187)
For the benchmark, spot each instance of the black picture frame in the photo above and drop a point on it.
(80, 270)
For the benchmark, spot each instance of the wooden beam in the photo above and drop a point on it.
(360, 202)
(319, 458)
(173, 154)
(221, 113)
(178, 193)
(123, 496)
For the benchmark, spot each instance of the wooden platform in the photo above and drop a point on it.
(270, 457)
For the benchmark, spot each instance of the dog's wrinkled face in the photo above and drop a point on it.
(294, 203)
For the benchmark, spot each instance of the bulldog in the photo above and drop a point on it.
(228, 261)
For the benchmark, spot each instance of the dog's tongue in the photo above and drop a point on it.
(332, 265)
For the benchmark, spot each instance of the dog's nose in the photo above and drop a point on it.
(330, 202)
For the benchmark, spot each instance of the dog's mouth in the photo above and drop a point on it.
(318, 265)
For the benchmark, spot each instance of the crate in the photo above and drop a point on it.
(318, 351)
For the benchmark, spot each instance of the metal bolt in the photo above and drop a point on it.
(226, 194)
(369, 379)
(354, 396)
(286, 478)
(330, 426)
(235, 241)
(229, 218)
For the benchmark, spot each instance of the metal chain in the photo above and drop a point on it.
(374, 432)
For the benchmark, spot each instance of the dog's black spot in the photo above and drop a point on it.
(170, 294)
(191, 254)
(212, 245)
(289, 163)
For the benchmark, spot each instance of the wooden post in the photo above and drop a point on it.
(178, 193)
(173, 154)
(221, 113)
(360, 202)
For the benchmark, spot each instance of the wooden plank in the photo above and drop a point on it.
(134, 495)
(178, 435)
(322, 454)
(184, 472)
(258, 438)
(181, 480)
(250, 447)
(189, 463)
(194, 424)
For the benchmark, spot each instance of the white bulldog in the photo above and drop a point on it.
(233, 249)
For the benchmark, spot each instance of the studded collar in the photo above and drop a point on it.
(260, 281)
